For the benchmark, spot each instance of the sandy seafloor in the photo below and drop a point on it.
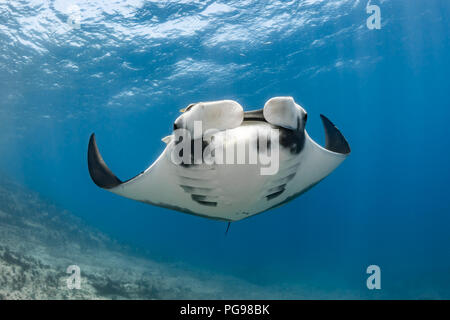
(39, 242)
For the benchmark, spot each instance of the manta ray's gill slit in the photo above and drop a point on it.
(277, 186)
(288, 172)
(188, 177)
(284, 180)
(202, 200)
(290, 167)
(197, 175)
(274, 195)
(274, 191)
(197, 190)
(187, 183)
(199, 181)
(200, 197)
(277, 189)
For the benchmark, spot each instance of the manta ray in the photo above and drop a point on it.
(230, 190)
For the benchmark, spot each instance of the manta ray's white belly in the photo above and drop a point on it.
(233, 190)
(228, 191)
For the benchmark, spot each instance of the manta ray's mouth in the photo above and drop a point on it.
(254, 115)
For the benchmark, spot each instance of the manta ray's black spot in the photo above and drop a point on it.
(195, 159)
(259, 145)
(294, 140)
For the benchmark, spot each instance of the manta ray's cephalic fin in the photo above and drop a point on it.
(334, 140)
(99, 171)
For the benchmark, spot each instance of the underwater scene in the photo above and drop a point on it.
(102, 104)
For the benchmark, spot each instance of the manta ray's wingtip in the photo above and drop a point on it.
(98, 170)
(334, 139)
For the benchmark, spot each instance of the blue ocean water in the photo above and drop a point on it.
(123, 69)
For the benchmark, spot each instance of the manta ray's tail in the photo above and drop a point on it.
(228, 227)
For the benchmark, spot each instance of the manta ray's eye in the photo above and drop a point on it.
(305, 117)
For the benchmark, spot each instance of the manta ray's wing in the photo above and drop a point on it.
(190, 189)
(317, 161)
(298, 173)
(165, 184)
